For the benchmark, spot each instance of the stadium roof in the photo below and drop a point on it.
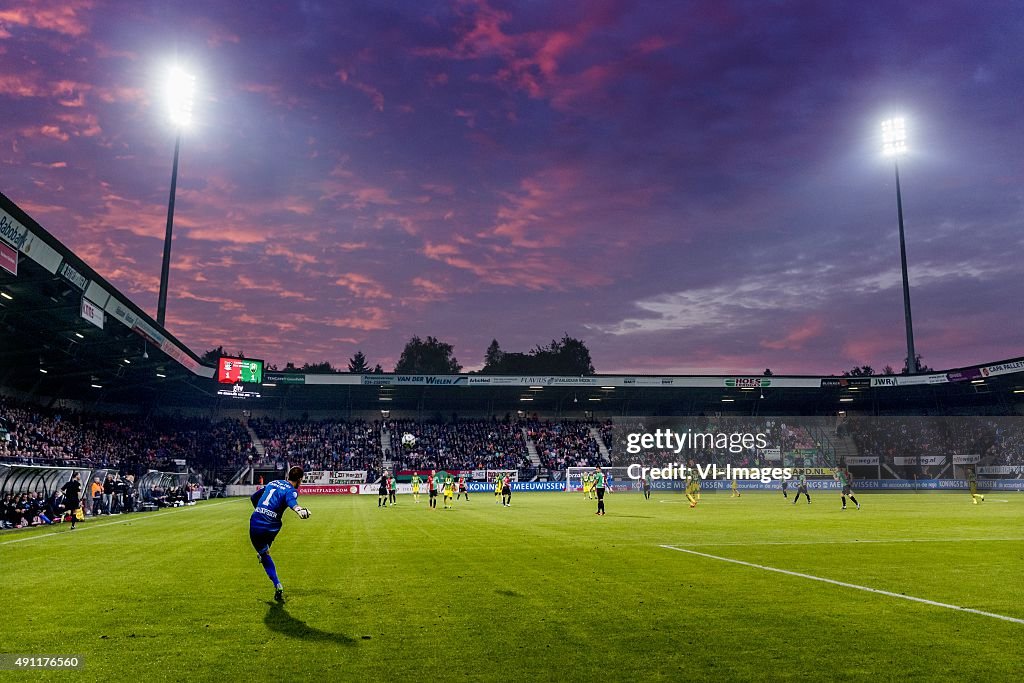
(65, 332)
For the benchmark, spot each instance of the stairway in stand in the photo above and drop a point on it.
(531, 449)
(605, 455)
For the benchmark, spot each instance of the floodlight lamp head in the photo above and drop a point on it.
(894, 137)
(180, 96)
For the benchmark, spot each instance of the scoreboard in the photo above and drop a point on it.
(239, 371)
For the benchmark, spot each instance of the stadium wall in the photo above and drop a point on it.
(888, 485)
(831, 485)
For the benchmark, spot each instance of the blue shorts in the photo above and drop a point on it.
(262, 539)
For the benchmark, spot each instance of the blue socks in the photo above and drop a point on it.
(270, 568)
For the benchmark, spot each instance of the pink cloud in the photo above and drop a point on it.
(61, 16)
(53, 132)
(367, 319)
(121, 94)
(299, 205)
(486, 36)
(363, 286)
(426, 291)
(271, 285)
(20, 85)
(67, 93)
(133, 215)
(591, 83)
(653, 44)
(218, 232)
(354, 192)
(372, 195)
(439, 189)
(468, 116)
(531, 61)
(81, 124)
(375, 95)
(539, 216)
(107, 52)
(427, 286)
(798, 337)
(296, 258)
(534, 270)
(439, 251)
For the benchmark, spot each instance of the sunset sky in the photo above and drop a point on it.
(689, 187)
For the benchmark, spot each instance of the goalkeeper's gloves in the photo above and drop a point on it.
(303, 513)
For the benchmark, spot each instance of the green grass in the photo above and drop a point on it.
(544, 590)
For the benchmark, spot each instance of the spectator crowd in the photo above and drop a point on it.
(462, 444)
(129, 444)
(320, 444)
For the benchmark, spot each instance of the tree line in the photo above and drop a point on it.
(868, 371)
(431, 356)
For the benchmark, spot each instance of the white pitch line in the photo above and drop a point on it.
(135, 517)
(849, 585)
(855, 542)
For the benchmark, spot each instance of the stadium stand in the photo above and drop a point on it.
(66, 438)
(459, 445)
(564, 444)
(321, 445)
(998, 441)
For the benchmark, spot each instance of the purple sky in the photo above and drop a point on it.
(687, 186)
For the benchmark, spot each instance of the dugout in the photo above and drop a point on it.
(18, 479)
(163, 482)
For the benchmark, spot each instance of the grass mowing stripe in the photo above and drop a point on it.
(137, 517)
(848, 585)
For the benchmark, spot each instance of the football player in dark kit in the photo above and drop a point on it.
(801, 487)
(843, 476)
(599, 488)
(432, 488)
(506, 491)
(73, 497)
(265, 523)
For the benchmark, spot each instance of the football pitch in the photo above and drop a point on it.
(752, 588)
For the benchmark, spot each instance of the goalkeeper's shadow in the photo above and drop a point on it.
(280, 621)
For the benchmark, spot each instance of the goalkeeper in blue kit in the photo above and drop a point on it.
(270, 503)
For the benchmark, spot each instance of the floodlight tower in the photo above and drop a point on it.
(180, 94)
(894, 144)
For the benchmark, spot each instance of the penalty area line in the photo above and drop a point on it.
(752, 544)
(135, 517)
(877, 591)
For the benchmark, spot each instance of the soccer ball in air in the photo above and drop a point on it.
(408, 440)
